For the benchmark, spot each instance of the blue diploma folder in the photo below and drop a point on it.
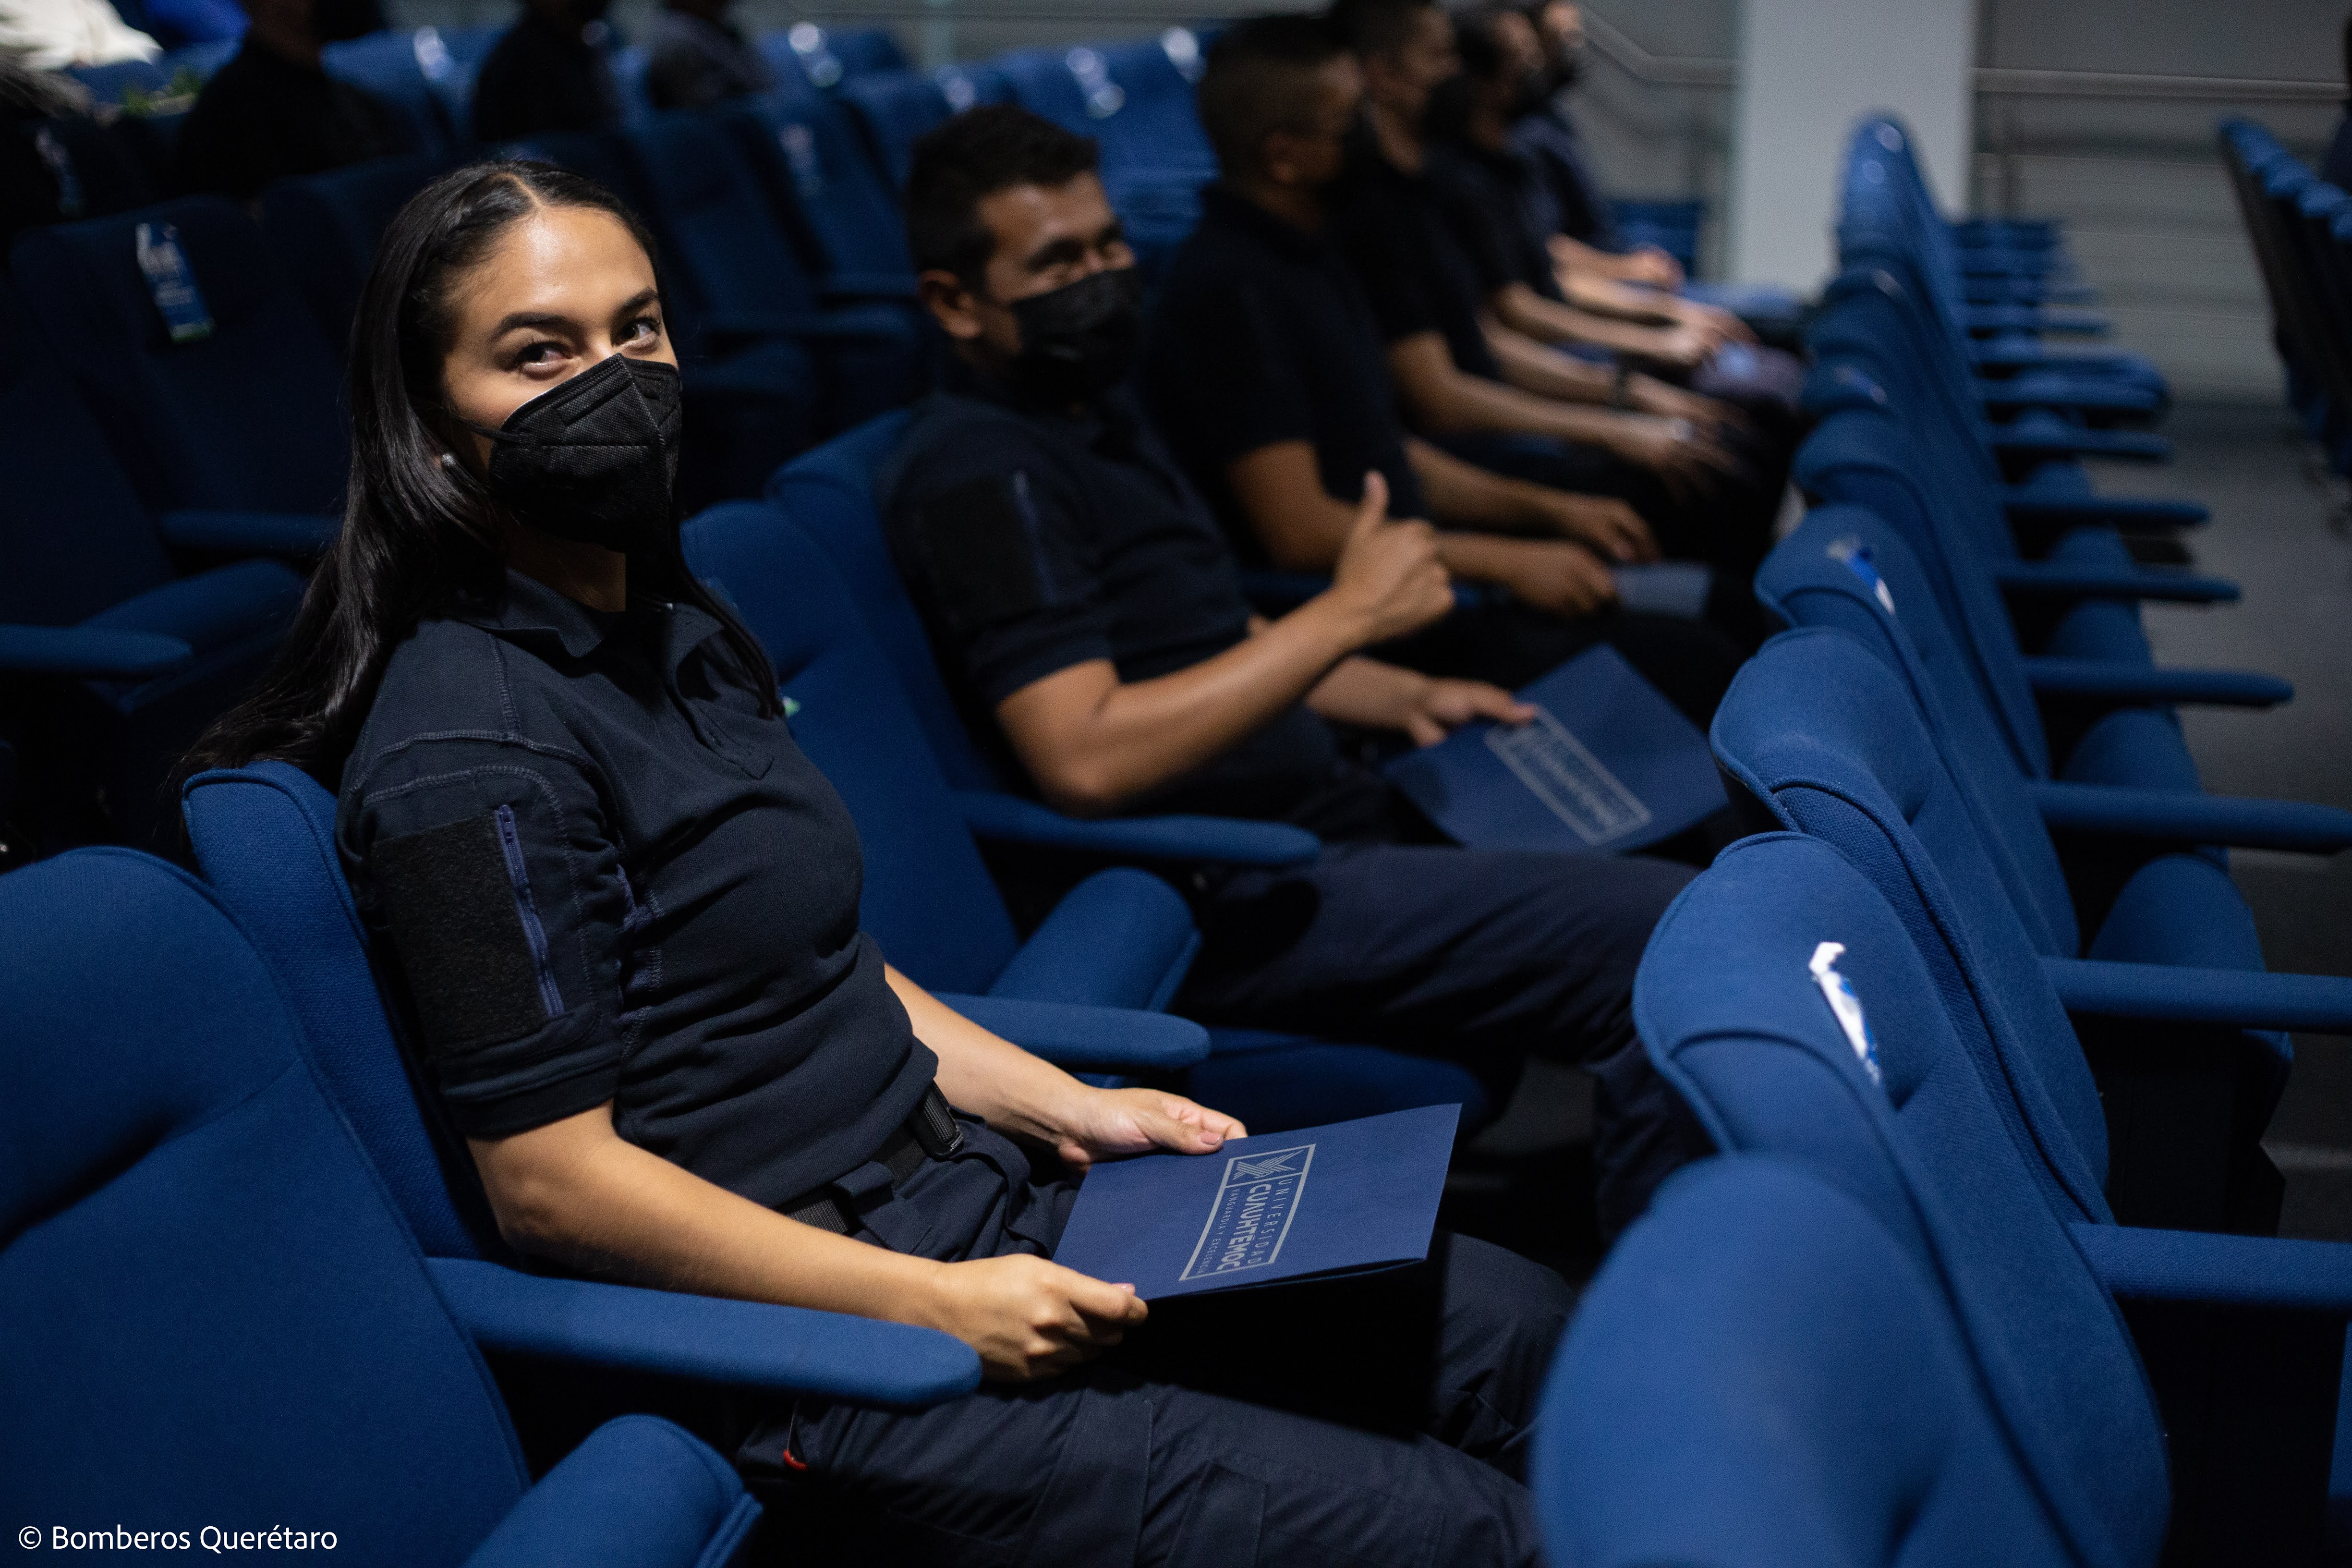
(1351, 1198)
(1607, 764)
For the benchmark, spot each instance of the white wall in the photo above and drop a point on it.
(1807, 69)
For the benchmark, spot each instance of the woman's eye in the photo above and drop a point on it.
(645, 330)
(538, 354)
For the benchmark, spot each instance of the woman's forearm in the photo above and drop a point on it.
(986, 1074)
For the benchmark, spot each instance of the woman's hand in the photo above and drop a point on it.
(1028, 1318)
(1104, 1123)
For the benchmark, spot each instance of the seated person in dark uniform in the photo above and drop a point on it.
(1264, 369)
(1502, 206)
(1489, 394)
(273, 111)
(621, 909)
(1086, 611)
(1548, 134)
(699, 58)
(550, 72)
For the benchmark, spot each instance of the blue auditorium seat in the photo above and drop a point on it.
(324, 229)
(892, 109)
(843, 217)
(245, 419)
(1763, 1374)
(732, 247)
(1826, 740)
(264, 836)
(806, 57)
(219, 1322)
(2242, 1338)
(2130, 773)
(414, 73)
(1121, 938)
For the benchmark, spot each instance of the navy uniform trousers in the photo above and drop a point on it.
(1381, 1422)
(1483, 957)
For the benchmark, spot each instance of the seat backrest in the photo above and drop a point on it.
(892, 109)
(1728, 1004)
(1157, 126)
(215, 1317)
(1760, 1373)
(1823, 736)
(325, 229)
(928, 900)
(724, 234)
(393, 65)
(809, 160)
(249, 417)
(73, 537)
(1843, 567)
(829, 494)
(264, 836)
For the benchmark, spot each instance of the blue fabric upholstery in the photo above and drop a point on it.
(1765, 1065)
(265, 838)
(1761, 1374)
(323, 229)
(392, 65)
(892, 109)
(248, 419)
(199, 1256)
(1077, 1036)
(589, 1509)
(845, 218)
(1826, 738)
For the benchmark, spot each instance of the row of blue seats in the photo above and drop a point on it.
(1987, 1276)
(2300, 227)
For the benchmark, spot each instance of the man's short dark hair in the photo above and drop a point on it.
(1252, 85)
(1375, 27)
(980, 151)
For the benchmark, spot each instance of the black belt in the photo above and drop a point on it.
(929, 1133)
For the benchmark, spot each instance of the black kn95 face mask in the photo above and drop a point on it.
(596, 459)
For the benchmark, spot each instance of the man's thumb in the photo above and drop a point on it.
(1373, 510)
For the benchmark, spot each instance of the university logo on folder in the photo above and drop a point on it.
(1351, 1198)
(1606, 764)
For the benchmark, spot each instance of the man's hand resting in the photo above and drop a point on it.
(1378, 696)
(1609, 528)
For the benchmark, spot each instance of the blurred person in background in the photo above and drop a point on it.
(273, 111)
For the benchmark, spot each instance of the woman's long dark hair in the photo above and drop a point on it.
(419, 536)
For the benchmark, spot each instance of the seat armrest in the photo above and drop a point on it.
(1217, 840)
(749, 1345)
(2116, 512)
(250, 533)
(2237, 998)
(2066, 579)
(2189, 819)
(865, 286)
(2135, 683)
(89, 653)
(1075, 1034)
(2213, 1269)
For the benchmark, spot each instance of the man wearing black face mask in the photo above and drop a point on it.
(548, 73)
(1086, 611)
(273, 111)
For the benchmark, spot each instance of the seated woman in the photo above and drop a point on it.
(624, 911)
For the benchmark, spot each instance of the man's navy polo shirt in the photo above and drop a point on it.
(1416, 264)
(1262, 336)
(603, 875)
(1582, 211)
(1034, 539)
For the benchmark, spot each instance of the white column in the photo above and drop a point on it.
(1807, 69)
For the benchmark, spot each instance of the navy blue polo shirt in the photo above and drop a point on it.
(1577, 205)
(603, 875)
(1262, 336)
(1416, 265)
(1485, 194)
(1032, 539)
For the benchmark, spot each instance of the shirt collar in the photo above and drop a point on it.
(530, 611)
(1220, 203)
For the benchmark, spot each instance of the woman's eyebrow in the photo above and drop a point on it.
(548, 319)
(638, 301)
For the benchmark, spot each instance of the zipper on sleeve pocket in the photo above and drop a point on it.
(510, 845)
